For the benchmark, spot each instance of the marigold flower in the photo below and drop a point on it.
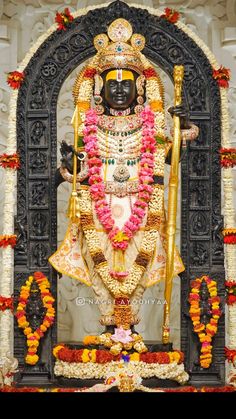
(27, 331)
(231, 299)
(11, 161)
(222, 76)
(32, 350)
(31, 359)
(23, 324)
(15, 79)
(64, 19)
(85, 356)
(93, 353)
(43, 328)
(8, 240)
(57, 349)
(32, 343)
(171, 15)
(91, 340)
(134, 356)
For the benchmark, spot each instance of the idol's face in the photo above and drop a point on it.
(120, 94)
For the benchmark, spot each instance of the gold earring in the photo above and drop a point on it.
(99, 109)
(140, 90)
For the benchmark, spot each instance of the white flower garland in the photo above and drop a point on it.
(89, 370)
(6, 283)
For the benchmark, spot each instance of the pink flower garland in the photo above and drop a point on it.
(120, 238)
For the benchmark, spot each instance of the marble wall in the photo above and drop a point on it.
(21, 23)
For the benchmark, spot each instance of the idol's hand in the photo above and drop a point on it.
(67, 153)
(183, 114)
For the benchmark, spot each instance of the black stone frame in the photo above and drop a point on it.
(36, 220)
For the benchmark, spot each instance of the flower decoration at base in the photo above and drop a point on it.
(171, 15)
(205, 331)
(222, 76)
(8, 240)
(10, 161)
(6, 303)
(15, 79)
(102, 356)
(34, 336)
(122, 339)
(64, 19)
(101, 364)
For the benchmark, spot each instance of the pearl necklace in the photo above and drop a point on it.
(121, 147)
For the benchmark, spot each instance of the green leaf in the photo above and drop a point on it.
(80, 141)
(159, 140)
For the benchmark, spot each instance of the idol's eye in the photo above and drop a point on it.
(112, 83)
(126, 83)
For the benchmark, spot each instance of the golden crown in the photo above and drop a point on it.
(121, 48)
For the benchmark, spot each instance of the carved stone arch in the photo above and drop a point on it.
(201, 248)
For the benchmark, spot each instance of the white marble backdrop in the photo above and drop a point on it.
(21, 23)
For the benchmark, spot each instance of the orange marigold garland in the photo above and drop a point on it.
(64, 19)
(10, 161)
(228, 157)
(15, 79)
(6, 303)
(171, 15)
(33, 337)
(102, 356)
(222, 76)
(8, 240)
(205, 332)
(229, 235)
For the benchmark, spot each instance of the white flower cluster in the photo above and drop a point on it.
(90, 370)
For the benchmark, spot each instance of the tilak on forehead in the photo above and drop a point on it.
(119, 75)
